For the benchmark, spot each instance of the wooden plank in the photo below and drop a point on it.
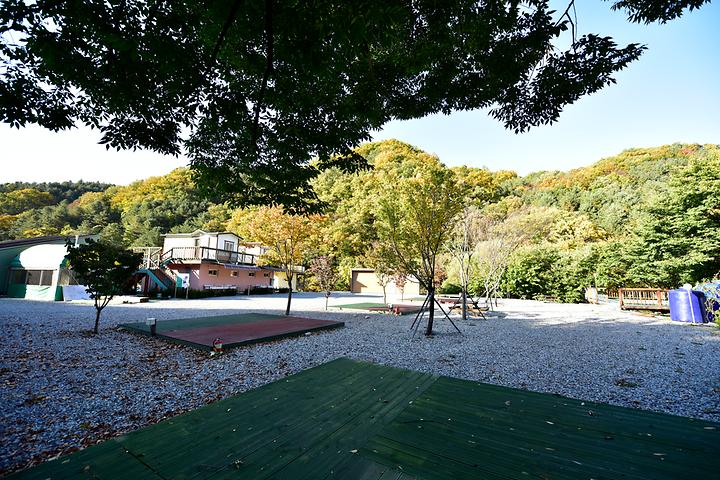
(469, 429)
(360, 468)
(546, 430)
(108, 460)
(312, 452)
(177, 434)
(518, 450)
(325, 454)
(360, 305)
(234, 429)
(642, 424)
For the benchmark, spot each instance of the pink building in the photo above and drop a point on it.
(209, 260)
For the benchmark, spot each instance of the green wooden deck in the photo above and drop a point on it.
(356, 420)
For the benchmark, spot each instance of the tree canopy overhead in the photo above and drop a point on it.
(253, 91)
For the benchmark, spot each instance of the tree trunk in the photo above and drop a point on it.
(97, 320)
(488, 299)
(464, 303)
(431, 313)
(287, 310)
(384, 295)
(327, 297)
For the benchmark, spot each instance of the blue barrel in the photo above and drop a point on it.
(686, 306)
(711, 290)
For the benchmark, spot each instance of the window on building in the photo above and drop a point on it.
(46, 277)
(33, 277)
(18, 277)
(213, 273)
(251, 274)
(234, 273)
(266, 274)
(229, 245)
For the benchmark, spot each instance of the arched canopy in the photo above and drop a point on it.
(41, 257)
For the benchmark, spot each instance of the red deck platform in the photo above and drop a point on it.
(233, 330)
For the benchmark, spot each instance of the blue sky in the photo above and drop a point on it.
(672, 94)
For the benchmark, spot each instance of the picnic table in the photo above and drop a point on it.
(472, 304)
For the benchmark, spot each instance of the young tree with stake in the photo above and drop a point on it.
(400, 280)
(415, 218)
(325, 274)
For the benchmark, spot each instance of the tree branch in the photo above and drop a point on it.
(268, 70)
(226, 27)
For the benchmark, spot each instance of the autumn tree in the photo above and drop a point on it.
(400, 280)
(416, 217)
(104, 269)
(285, 235)
(351, 199)
(18, 201)
(254, 91)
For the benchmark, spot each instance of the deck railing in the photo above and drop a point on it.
(207, 253)
(644, 299)
(151, 256)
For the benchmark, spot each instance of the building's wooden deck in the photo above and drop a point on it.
(354, 420)
(233, 330)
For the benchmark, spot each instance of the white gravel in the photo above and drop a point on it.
(61, 388)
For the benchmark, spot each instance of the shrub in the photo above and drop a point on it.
(224, 292)
(545, 271)
(531, 273)
(261, 291)
(449, 288)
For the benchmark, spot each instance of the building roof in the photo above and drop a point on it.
(197, 233)
(28, 242)
(41, 257)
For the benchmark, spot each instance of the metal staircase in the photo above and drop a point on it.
(154, 267)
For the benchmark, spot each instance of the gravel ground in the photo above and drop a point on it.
(62, 388)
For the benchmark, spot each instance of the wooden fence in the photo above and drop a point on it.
(644, 299)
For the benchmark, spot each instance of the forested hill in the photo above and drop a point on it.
(59, 191)
(647, 216)
(613, 190)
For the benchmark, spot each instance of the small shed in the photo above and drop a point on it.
(364, 280)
